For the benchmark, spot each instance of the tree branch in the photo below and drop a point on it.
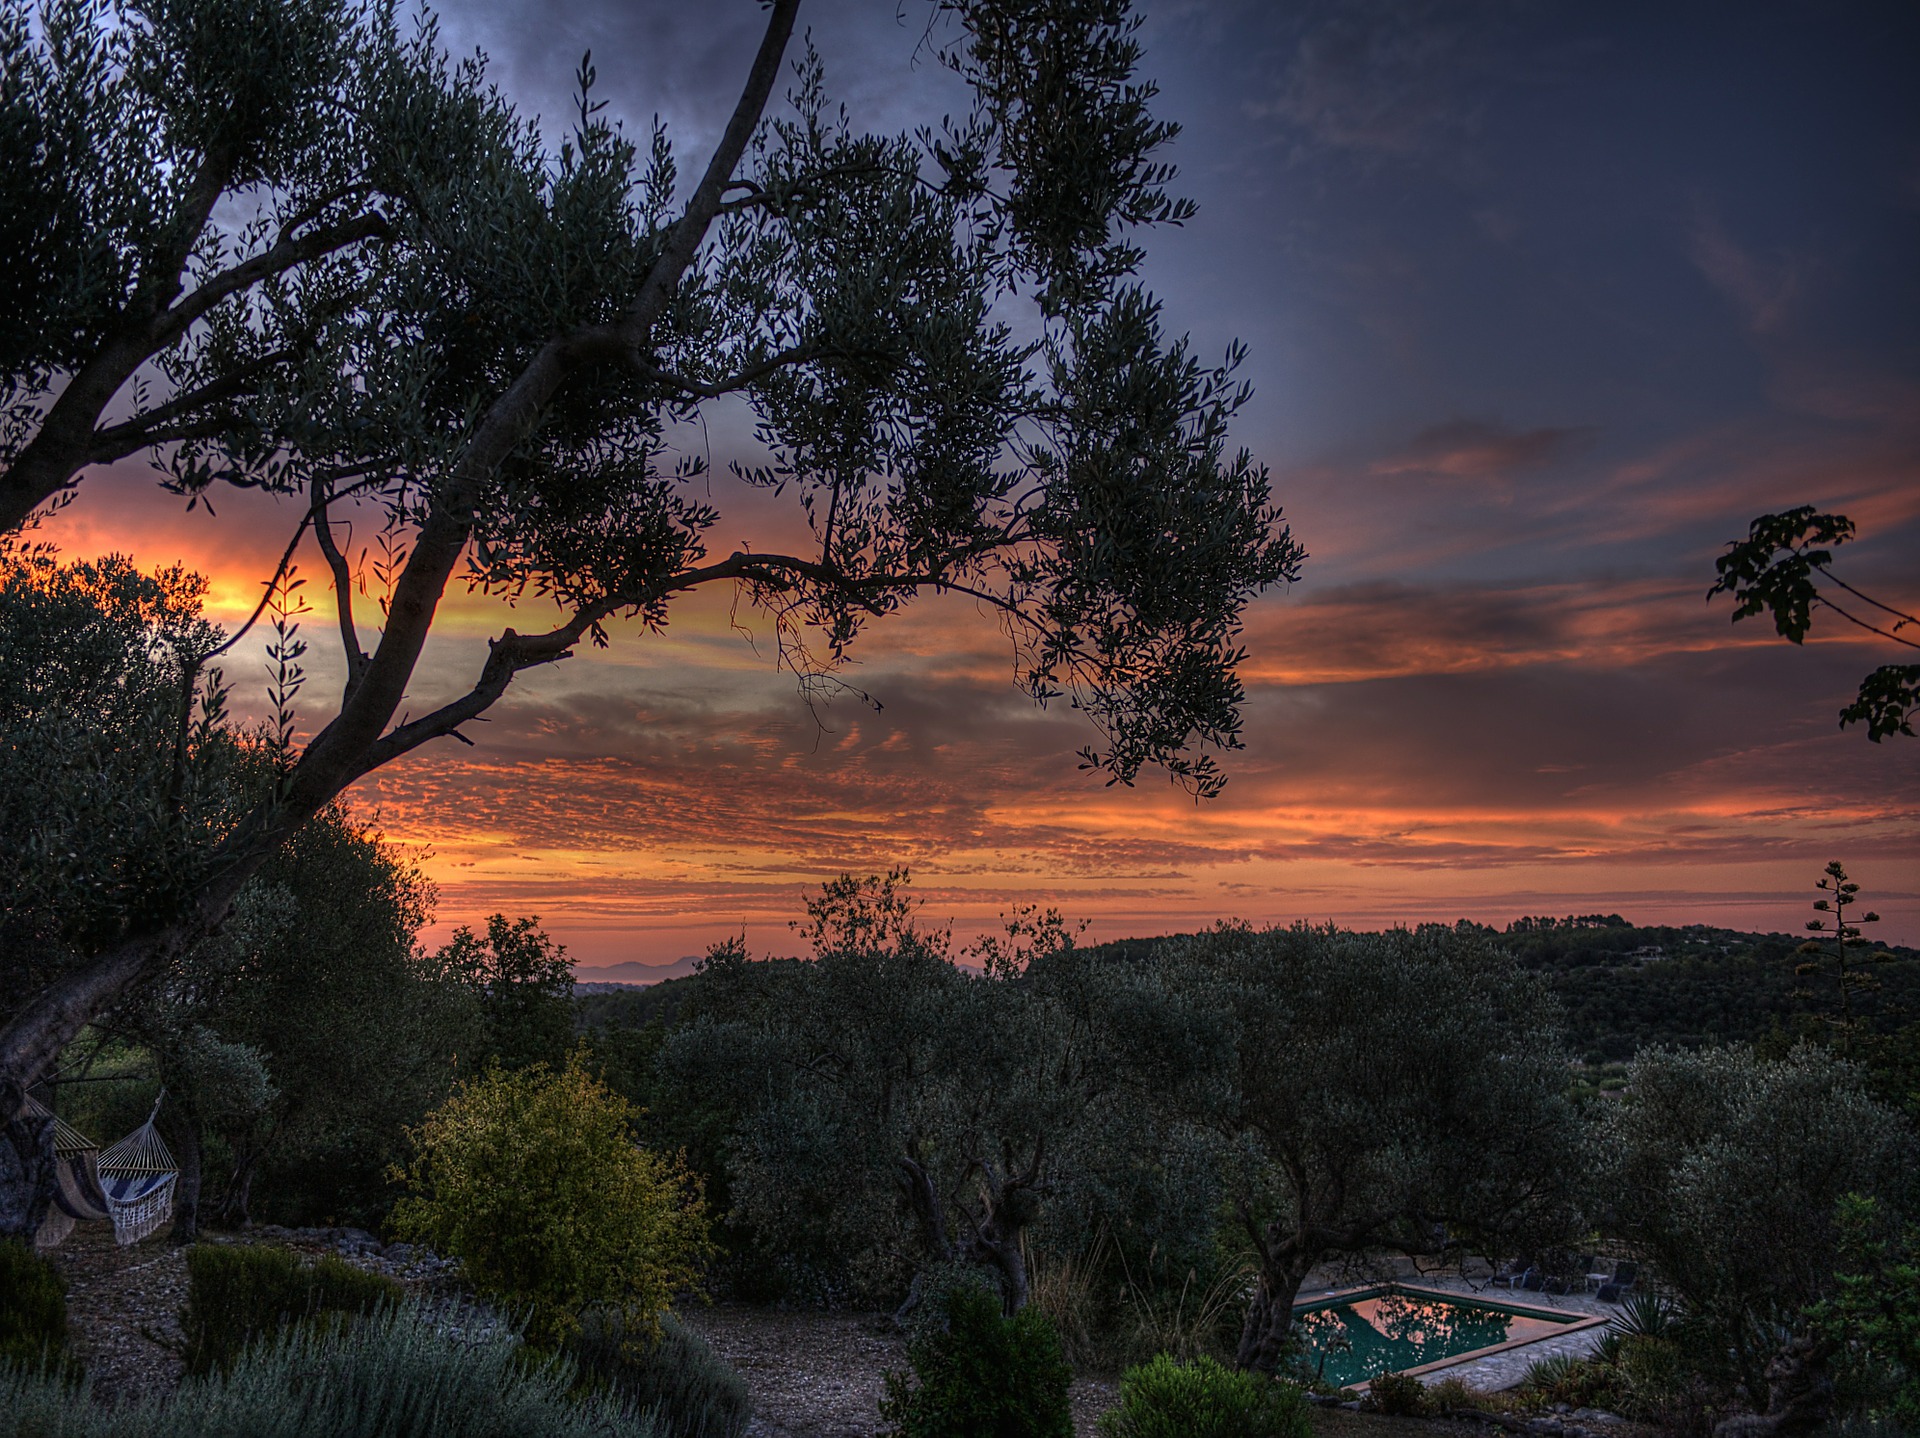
(342, 591)
(283, 255)
(149, 428)
(797, 354)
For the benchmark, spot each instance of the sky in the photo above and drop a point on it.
(1543, 303)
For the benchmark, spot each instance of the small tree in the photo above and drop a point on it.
(532, 1179)
(1727, 1171)
(1843, 962)
(522, 985)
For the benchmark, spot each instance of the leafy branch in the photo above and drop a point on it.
(1779, 568)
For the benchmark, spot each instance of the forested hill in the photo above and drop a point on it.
(1626, 987)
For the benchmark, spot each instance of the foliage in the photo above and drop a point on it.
(1452, 1395)
(674, 1378)
(1779, 568)
(116, 780)
(125, 132)
(1165, 1398)
(881, 1070)
(532, 1179)
(400, 1371)
(33, 1310)
(1399, 1396)
(1186, 1316)
(1384, 1085)
(979, 1374)
(297, 1043)
(1645, 1314)
(1726, 1170)
(522, 983)
(1873, 1314)
(241, 1294)
(357, 1033)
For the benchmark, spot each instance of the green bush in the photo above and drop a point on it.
(1164, 1398)
(33, 1309)
(981, 1375)
(396, 1373)
(687, 1388)
(237, 1294)
(533, 1180)
(1398, 1396)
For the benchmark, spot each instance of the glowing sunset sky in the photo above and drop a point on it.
(1544, 303)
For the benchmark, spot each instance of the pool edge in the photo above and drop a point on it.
(1578, 1325)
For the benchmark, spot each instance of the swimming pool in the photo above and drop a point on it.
(1357, 1335)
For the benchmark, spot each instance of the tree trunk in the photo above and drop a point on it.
(236, 1203)
(1263, 1337)
(190, 1155)
(26, 1165)
(997, 1246)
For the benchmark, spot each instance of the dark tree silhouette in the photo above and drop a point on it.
(1779, 568)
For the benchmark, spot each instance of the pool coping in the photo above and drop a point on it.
(1347, 1295)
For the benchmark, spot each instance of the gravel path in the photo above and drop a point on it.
(821, 1374)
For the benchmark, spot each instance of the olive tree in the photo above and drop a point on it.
(505, 384)
(894, 1110)
(1386, 1087)
(1728, 1170)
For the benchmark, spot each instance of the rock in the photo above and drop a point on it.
(1547, 1427)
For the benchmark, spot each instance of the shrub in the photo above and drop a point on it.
(1872, 1319)
(397, 1373)
(981, 1375)
(676, 1378)
(1398, 1396)
(237, 1294)
(33, 1309)
(1164, 1398)
(1656, 1381)
(1451, 1395)
(532, 1179)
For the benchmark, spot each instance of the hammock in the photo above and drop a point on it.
(131, 1183)
(137, 1176)
(76, 1191)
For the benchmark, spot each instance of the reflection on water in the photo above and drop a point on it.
(1353, 1342)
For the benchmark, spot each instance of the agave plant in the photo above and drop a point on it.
(1646, 1315)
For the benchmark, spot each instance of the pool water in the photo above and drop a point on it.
(1360, 1336)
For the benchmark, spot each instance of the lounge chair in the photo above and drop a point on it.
(1624, 1274)
(1609, 1293)
(1534, 1281)
(1508, 1276)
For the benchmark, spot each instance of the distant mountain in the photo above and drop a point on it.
(632, 973)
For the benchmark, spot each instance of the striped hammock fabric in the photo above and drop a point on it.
(130, 1183)
(76, 1191)
(137, 1176)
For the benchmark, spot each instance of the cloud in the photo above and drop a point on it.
(1477, 449)
(1764, 291)
(1392, 79)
